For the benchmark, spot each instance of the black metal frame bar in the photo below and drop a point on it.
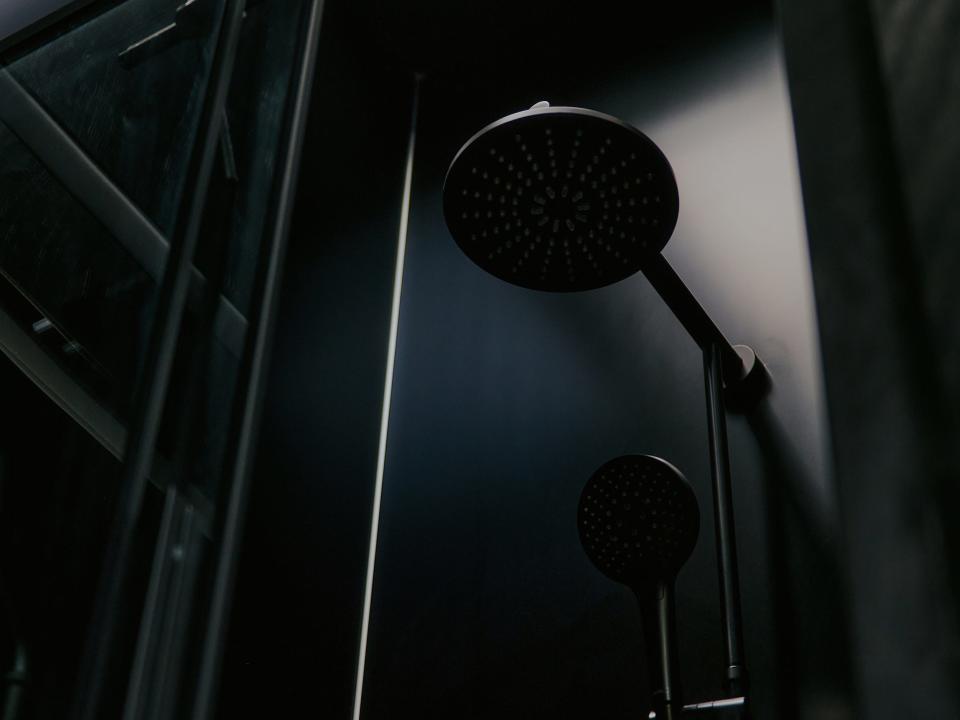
(252, 375)
(158, 579)
(153, 685)
(151, 691)
(159, 361)
(735, 678)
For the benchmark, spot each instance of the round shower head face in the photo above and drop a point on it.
(560, 199)
(638, 519)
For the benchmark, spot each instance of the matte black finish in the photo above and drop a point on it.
(560, 199)
(735, 679)
(565, 199)
(256, 359)
(638, 521)
(584, 236)
(694, 318)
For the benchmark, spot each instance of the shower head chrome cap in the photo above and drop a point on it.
(560, 199)
(638, 520)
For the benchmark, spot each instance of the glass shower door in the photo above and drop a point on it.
(145, 170)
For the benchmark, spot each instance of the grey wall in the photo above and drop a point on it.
(874, 88)
(506, 400)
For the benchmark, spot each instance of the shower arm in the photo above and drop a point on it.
(736, 367)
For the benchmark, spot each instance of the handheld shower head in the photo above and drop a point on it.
(560, 199)
(638, 521)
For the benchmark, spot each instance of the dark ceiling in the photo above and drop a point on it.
(523, 36)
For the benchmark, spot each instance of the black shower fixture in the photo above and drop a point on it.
(560, 199)
(565, 199)
(638, 521)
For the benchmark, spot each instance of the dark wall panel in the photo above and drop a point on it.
(506, 400)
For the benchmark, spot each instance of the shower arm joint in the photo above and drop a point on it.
(745, 379)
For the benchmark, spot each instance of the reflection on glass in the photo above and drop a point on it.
(71, 274)
(76, 305)
(135, 118)
(132, 117)
(122, 84)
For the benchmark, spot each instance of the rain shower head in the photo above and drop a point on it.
(560, 199)
(564, 199)
(638, 520)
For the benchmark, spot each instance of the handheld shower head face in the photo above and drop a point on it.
(560, 199)
(638, 520)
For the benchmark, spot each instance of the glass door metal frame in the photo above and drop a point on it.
(171, 263)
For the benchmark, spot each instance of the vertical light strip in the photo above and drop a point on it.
(387, 393)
